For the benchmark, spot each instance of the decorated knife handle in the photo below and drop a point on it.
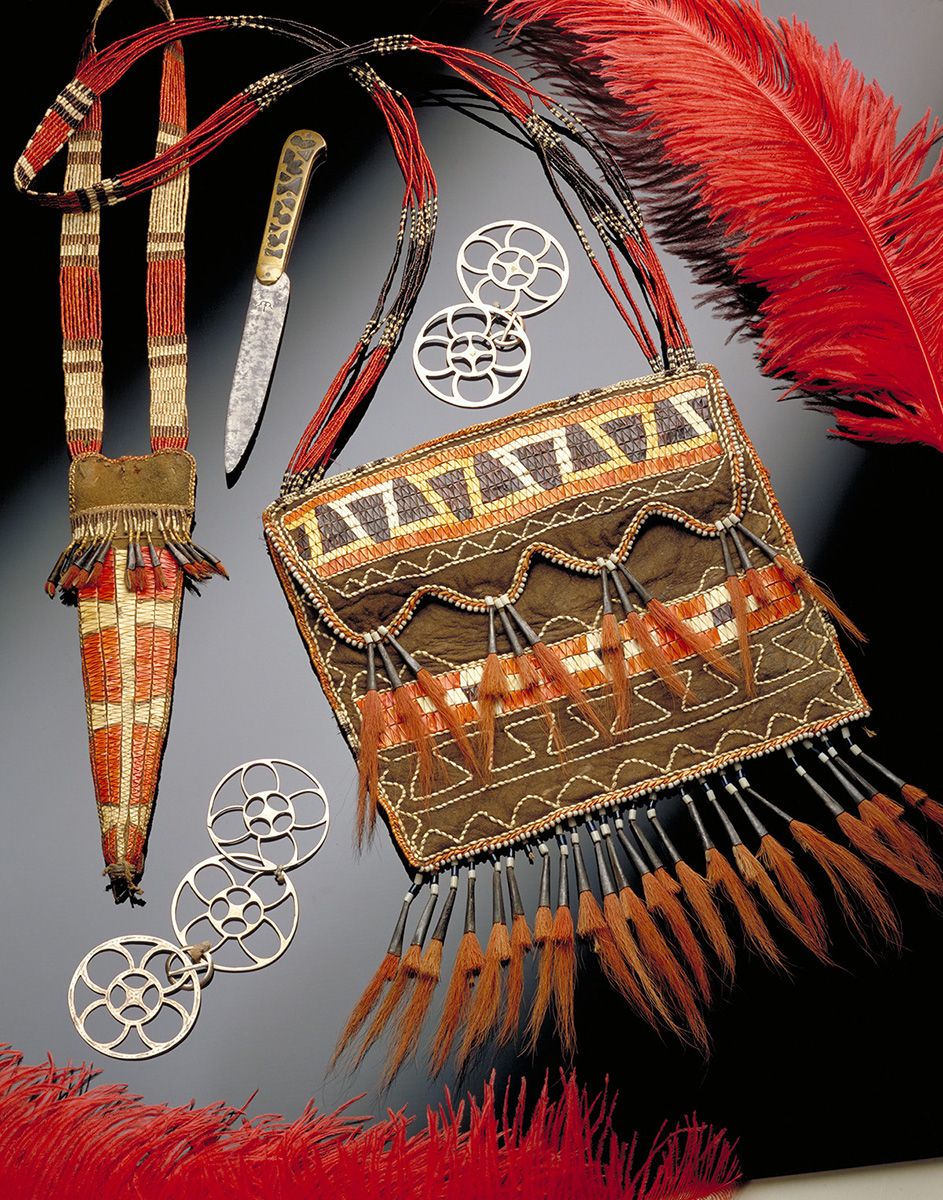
(302, 152)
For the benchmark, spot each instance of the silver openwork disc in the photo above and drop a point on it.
(472, 355)
(248, 920)
(513, 265)
(136, 996)
(268, 814)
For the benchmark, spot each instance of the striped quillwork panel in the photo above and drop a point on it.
(506, 474)
(129, 652)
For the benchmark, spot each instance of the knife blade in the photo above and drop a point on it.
(302, 152)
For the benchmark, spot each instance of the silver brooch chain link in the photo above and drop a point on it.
(138, 996)
(478, 353)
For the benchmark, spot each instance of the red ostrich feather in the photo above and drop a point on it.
(817, 228)
(60, 1137)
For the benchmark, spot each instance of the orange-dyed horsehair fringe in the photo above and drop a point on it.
(721, 877)
(856, 887)
(883, 815)
(468, 963)
(660, 962)
(613, 661)
(919, 799)
(665, 983)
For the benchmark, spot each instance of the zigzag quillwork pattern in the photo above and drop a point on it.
(506, 475)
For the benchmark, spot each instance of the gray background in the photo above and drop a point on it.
(789, 1075)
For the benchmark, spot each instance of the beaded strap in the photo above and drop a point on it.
(80, 277)
(609, 205)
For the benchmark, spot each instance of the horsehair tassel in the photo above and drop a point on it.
(754, 876)
(661, 896)
(801, 580)
(883, 815)
(608, 934)
(852, 880)
(159, 576)
(210, 559)
(659, 958)
(135, 573)
(411, 717)
(914, 796)
(699, 888)
(434, 690)
(919, 799)
(405, 976)
(486, 1003)
(384, 973)
(469, 961)
(698, 892)
(563, 943)
(58, 572)
(754, 581)
(864, 839)
(493, 690)
(531, 683)
(805, 920)
(738, 606)
(405, 1040)
(653, 655)
(368, 754)
(796, 888)
(723, 878)
(556, 673)
(649, 956)
(667, 618)
(612, 653)
(75, 568)
(521, 945)
(543, 935)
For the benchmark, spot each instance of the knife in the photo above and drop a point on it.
(302, 152)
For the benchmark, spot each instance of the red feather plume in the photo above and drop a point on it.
(61, 1137)
(814, 226)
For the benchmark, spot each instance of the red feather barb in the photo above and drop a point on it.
(822, 231)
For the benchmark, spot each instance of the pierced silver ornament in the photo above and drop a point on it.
(248, 922)
(268, 814)
(151, 999)
(472, 355)
(513, 266)
(240, 906)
